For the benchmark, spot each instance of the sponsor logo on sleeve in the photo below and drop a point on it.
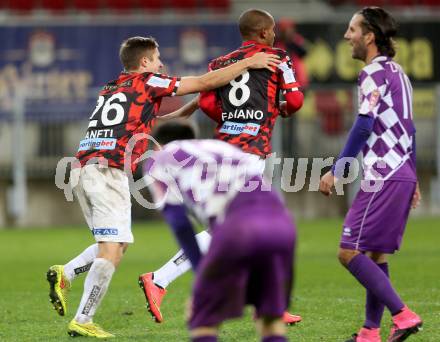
(289, 76)
(159, 82)
(374, 98)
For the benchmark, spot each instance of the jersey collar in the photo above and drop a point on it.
(380, 58)
(252, 42)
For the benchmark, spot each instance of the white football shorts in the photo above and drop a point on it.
(104, 196)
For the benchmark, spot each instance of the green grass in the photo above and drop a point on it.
(328, 298)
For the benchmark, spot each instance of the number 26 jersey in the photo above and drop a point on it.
(126, 111)
(250, 103)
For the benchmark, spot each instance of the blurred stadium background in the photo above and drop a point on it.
(54, 56)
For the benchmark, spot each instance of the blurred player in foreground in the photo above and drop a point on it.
(250, 258)
(246, 110)
(385, 132)
(125, 112)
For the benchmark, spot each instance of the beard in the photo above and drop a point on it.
(359, 52)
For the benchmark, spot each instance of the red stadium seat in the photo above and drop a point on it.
(183, 4)
(119, 5)
(217, 4)
(431, 3)
(86, 5)
(54, 5)
(154, 5)
(21, 5)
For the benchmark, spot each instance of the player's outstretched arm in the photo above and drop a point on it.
(183, 112)
(176, 217)
(219, 78)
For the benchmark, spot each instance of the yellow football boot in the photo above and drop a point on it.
(87, 329)
(59, 288)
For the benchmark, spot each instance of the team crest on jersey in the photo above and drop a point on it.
(374, 98)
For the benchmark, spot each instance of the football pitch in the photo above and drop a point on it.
(330, 301)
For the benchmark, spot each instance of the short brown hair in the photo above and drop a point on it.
(134, 48)
(252, 21)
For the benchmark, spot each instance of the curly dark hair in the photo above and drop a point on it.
(384, 27)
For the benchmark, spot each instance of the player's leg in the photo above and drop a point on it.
(95, 288)
(153, 284)
(271, 329)
(376, 282)
(376, 221)
(374, 308)
(111, 225)
(81, 263)
(60, 277)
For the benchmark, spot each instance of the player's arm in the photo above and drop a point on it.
(358, 136)
(209, 103)
(183, 112)
(293, 103)
(359, 133)
(220, 77)
(177, 218)
(290, 88)
(417, 197)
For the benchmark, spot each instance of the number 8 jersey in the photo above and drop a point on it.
(126, 107)
(249, 104)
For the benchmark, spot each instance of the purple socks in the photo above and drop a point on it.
(204, 339)
(373, 306)
(371, 276)
(274, 339)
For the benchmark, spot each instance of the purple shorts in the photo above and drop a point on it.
(249, 261)
(376, 220)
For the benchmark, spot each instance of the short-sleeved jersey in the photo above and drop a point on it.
(249, 103)
(203, 175)
(126, 107)
(385, 94)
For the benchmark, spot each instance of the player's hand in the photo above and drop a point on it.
(417, 197)
(262, 60)
(326, 184)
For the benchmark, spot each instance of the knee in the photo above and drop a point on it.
(378, 258)
(112, 251)
(345, 256)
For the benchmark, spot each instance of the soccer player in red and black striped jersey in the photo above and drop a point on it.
(246, 110)
(115, 139)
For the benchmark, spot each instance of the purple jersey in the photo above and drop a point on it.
(204, 175)
(385, 94)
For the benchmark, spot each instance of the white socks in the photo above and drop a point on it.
(95, 287)
(81, 263)
(179, 264)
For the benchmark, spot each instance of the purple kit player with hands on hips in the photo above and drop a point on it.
(250, 258)
(126, 110)
(385, 132)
